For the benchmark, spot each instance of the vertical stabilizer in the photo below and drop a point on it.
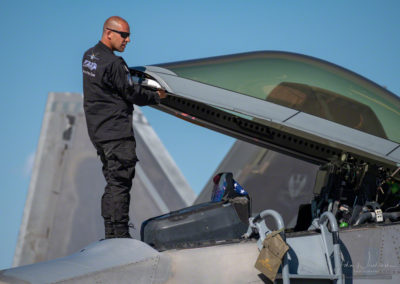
(62, 211)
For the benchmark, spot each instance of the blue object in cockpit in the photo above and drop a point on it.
(226, 186)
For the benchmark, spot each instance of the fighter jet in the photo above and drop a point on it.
(341, 126)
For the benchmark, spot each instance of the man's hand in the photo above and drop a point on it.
(161, 93)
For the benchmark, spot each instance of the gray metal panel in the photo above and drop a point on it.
(293, 120)
(230, 263)
(99, 256)
(306, 261)
(341, 134)
(370, 255)
(62, 212)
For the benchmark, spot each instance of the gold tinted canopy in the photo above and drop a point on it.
(302, 83)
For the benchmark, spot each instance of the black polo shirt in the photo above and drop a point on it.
(109, 94)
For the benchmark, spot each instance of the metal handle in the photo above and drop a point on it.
(325, 217)
(259, 223)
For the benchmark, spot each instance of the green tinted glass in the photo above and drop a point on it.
(302, 83)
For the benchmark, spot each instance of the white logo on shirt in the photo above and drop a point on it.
(89, 64)
(93, 57)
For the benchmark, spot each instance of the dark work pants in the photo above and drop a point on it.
(119, 160)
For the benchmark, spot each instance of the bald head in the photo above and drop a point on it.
(114, 34)
(114, 22)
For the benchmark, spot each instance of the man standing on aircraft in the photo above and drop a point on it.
(109, 95)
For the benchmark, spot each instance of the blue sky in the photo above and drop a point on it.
(42, 43)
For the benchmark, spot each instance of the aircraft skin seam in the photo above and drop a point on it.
(398, 146)
(291, 116)
(154, 268)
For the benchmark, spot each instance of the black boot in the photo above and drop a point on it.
(121, 230)
(109, 230)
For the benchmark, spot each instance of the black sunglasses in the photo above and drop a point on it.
(122, 34)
